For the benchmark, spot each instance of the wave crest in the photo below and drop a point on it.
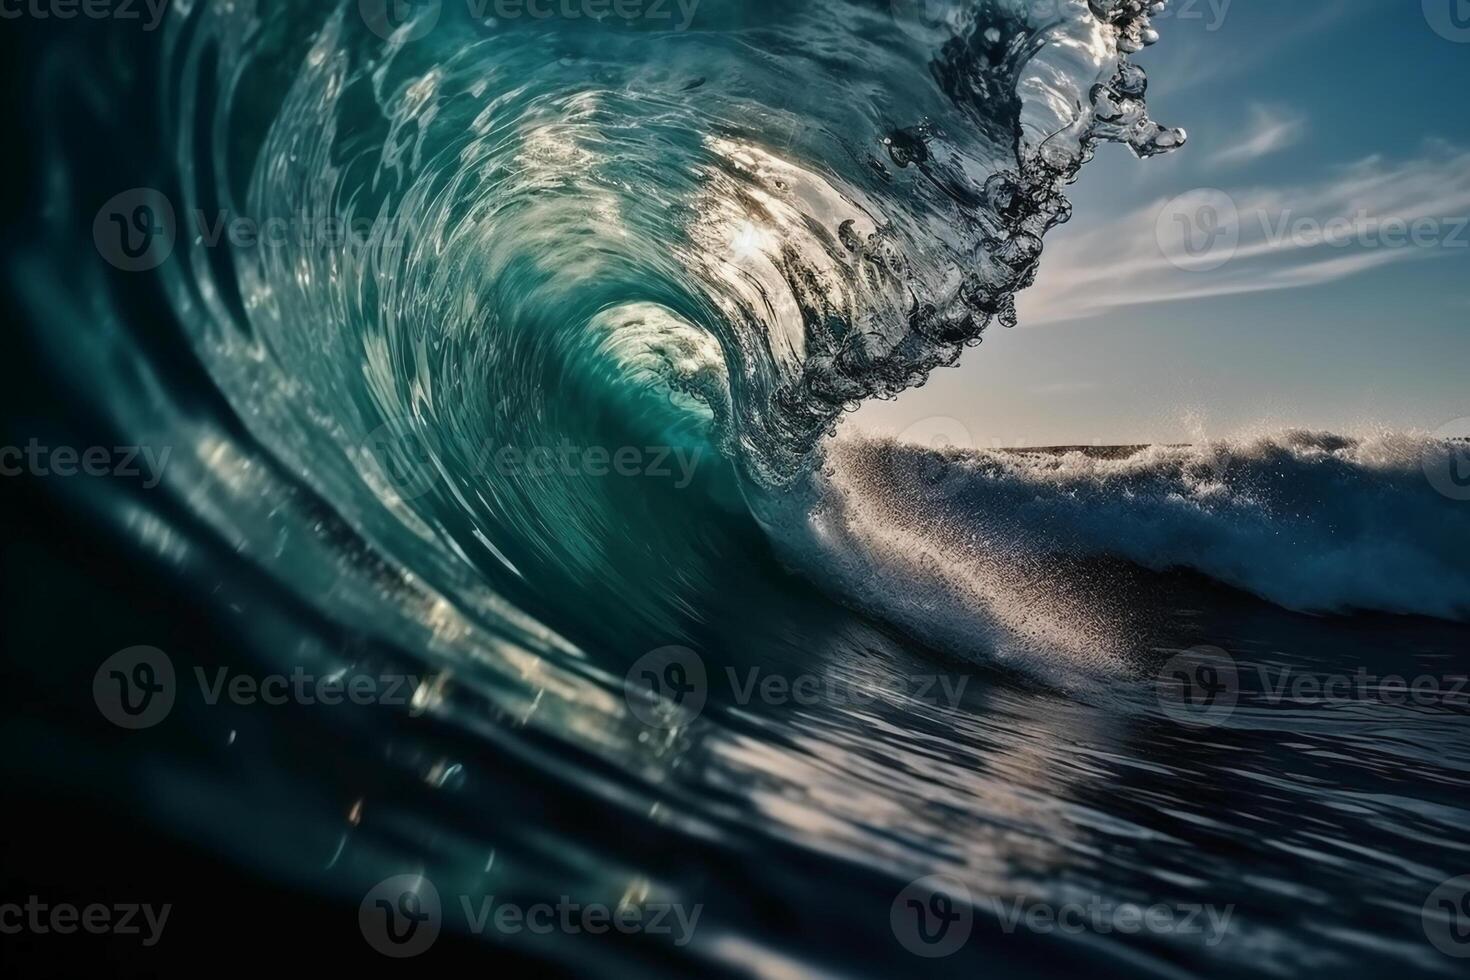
(1311, 521)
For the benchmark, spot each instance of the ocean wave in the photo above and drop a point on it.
(504, 358)
(569, 237)
(465, 237)
(976, 550)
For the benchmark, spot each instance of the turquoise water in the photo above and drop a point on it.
(508, 357)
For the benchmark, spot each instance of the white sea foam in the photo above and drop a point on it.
(970, 550)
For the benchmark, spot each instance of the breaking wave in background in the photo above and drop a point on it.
(970, 549)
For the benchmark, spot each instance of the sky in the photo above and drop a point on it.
(1303, 261)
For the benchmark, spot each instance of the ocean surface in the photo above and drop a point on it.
(502, 361)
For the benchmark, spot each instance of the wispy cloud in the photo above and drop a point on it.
(1211, 242)
(1271, 129)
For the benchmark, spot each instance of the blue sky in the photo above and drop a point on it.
(1330, 147)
